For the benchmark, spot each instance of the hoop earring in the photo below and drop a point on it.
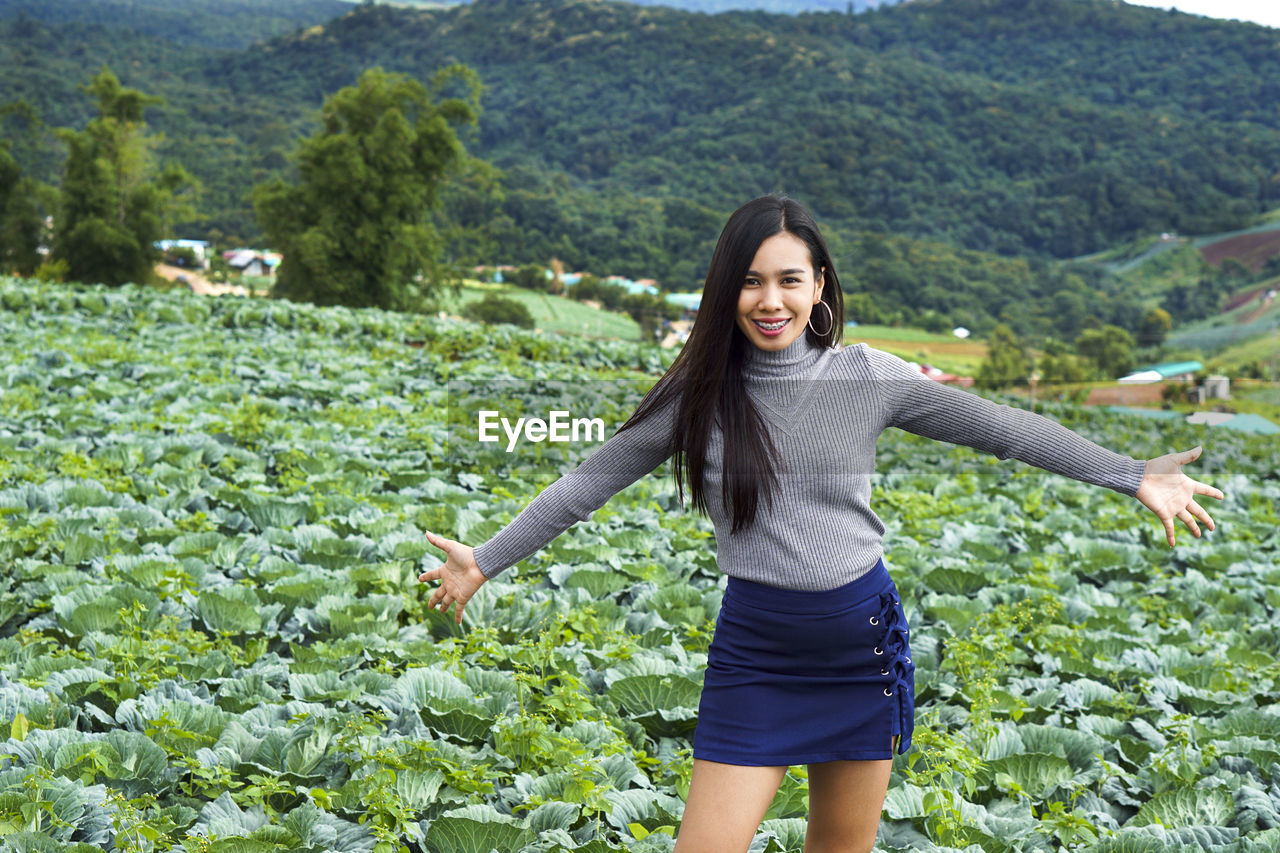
(831, 320)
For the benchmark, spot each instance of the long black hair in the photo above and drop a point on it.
(705, 380)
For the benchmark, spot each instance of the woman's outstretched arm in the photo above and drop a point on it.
(626, 457)
(913, 402)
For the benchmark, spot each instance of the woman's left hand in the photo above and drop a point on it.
(1170, 494)
(459, 577)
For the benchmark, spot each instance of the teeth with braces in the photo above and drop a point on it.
(772, 327)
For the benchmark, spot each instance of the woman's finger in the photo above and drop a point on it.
(1169, 531)
(1189, 455)
(431, 574)
(439, 541)
(1205, 489)
(1199, 512)
(1190, 522)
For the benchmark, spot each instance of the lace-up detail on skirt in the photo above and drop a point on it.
(898, 670)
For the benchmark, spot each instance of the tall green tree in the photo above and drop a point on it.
(356, 228)
(1006, 362)
(1058, 366)
(23, 202)
(115, 205)
(20, 220)
(1156, 323)
(1109, 348)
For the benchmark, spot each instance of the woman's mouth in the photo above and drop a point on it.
(771, 327)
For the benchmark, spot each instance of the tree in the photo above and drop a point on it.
(531, 277)
(20, 220)
(863, 308)
(23, 201)
(499, 309)
(1234, 268)
(1154, 326)
(1006, 362)
(556, 285)
(933, 321)
(114, 207)
(1069, 307)
(356, 229)
(649, 310)
(1058, 366)
(1109, 348)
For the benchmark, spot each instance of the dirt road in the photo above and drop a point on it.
(199, 284)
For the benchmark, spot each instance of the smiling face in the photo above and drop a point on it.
(779, 292)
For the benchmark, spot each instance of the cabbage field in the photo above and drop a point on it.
(212, 639)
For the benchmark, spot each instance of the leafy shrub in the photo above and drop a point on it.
(530, 277)
(494, 309)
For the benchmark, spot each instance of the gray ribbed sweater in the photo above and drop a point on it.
(825, 408)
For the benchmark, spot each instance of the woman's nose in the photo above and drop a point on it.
(770, 296)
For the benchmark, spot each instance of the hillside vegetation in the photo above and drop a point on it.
(1218, 288)
(715, 109)
(950, 148)
(229, 24)
(982, 122)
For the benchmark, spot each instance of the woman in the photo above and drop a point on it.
(774, 428)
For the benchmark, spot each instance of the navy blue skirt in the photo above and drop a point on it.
(798, 677)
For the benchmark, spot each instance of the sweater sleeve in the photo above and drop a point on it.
(626, 457)
(914, 402)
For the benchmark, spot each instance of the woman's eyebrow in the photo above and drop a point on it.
(780, 272)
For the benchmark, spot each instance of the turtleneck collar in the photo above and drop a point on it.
(793, 360)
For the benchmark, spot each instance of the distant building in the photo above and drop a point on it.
(252, 261)
(1173, 371)
(688, 301)
(1217, 387)
(644, 285)
(200, 248)
(937, 374)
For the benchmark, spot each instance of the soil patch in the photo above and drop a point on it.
(1263, 305)
(1252, 250)
(960, 347)
(1244, 298)
(1126, 395)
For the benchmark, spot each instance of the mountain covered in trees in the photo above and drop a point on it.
(623, 134)
(230, 24)
(786, 7)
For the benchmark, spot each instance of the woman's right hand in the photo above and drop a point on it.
(1171, 494)
(459, 577)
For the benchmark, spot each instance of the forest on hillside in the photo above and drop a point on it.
(227, 24)
(616, 137)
